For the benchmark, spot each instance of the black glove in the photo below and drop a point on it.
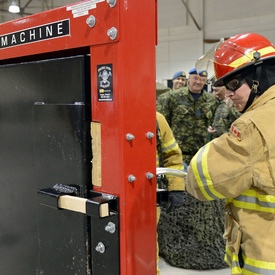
(175, 200)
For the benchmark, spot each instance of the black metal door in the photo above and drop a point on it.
(44, 140)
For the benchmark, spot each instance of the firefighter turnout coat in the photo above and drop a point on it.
(240, 166)
(172, 155)
(172, 158)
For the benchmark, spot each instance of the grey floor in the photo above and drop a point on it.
(166, 269)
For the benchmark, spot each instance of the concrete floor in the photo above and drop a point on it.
(166, 269)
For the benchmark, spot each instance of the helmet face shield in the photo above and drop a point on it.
(230, 56)
(223, 58)
(206, 62)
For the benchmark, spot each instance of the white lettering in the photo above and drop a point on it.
(13, 39)
(4, 41)
(49, 31)
(60, 28)
(32, 34)
(22, 37)
(53, 30)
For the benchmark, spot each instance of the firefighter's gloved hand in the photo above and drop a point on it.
(175, 200)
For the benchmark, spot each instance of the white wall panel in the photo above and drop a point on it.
(216, 18)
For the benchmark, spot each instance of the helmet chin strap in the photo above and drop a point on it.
(254, 89)
(253, 93)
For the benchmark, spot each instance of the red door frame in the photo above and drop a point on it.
(132, 110)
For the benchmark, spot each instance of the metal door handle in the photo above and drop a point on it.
(171, 172)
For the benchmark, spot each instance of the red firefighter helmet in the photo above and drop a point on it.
(232, 56)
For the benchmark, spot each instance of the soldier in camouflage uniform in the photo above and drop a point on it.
(179, 80)
(189, 111)
(196, 228)
(225, 114)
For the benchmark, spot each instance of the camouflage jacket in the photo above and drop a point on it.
(187, 118)
(223, 118)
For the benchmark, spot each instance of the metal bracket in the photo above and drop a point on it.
(105, 246)
(105, 252)
(67, 197)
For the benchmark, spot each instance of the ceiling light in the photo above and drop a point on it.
(14, 8)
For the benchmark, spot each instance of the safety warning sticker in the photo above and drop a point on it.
(105, 82)
(83, 8)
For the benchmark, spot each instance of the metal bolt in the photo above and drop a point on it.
(100, 247)
(110, 227)
(90, 21)
(150, 135)
(132, 178)
(112, 3)
(150, 175)
(257, 55)
(112, 33)
(129, 137)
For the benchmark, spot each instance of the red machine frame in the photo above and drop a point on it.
(131, 111)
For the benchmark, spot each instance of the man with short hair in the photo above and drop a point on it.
(189, 112)
(179, 80)
(196, 81)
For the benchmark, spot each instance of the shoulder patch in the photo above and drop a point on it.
(236, 132)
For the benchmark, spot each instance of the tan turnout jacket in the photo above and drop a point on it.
(171, 153)
(240, 166)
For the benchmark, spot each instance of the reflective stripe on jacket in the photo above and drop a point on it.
(240, 166)
(171, 154)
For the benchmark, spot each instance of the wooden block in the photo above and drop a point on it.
(72, 203)
(104, 210)
(96, 149)
(77, 204)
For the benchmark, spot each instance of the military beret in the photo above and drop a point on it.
(193, 71)
(177, 74)
(201, 73)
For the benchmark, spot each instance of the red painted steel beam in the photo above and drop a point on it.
(132, 111)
